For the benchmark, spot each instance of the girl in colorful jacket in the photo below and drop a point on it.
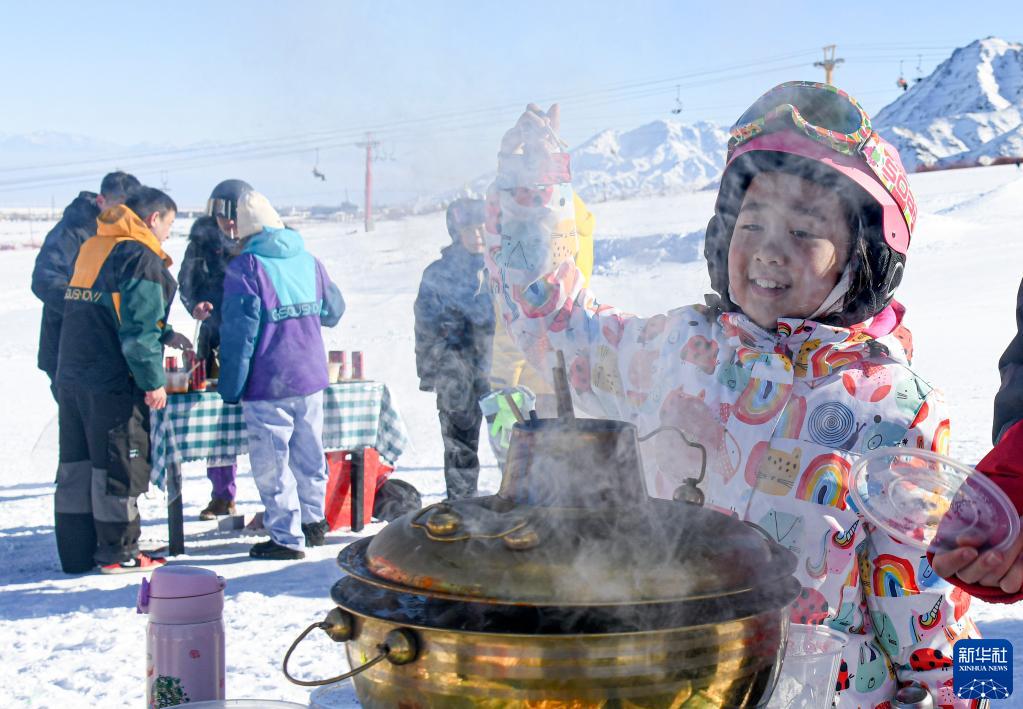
(790, 372)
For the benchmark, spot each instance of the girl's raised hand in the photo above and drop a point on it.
(535, 131)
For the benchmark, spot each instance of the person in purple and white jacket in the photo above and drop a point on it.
(276, 298)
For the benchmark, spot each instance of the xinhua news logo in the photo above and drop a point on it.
(982, 669)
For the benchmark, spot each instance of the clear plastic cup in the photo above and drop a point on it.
(930, 501)
(177, 382)
(810, 668)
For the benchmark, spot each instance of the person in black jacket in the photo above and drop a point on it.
(1009, 399)
(109, 375)
(56, 260)
(454, 330)
(211, 244)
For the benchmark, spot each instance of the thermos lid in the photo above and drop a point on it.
(184, 581)
(179, 582)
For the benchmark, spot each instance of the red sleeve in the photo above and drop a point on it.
(1004, 465)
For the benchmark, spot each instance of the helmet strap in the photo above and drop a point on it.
(835, 300)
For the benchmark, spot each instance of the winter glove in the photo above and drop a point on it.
(531, 152)
(501, 418)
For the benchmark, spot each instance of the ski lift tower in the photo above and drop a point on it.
(829, 63)
(369, 144)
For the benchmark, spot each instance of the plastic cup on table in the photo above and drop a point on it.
(177, 382)
(932, 502)
(809, 668)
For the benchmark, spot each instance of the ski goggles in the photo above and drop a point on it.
(226, 208)
(820, 111)
(834, 119)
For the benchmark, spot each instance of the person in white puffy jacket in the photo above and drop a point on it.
(797, 366)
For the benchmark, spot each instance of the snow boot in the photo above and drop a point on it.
(142, 562)
(218, 508)
(272, 550)
(315, 533)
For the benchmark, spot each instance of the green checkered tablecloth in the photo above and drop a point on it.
(201, 426)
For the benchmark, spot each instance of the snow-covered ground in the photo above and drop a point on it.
(77, 641)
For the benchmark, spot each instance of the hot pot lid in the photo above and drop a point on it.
(488, 550)
(928, 500)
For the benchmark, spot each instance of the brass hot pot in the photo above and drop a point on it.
(569, 588)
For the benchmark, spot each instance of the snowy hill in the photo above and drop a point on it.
(656, 158)
(476, 189)
(42, 142)
(661, 156)
(968, 110)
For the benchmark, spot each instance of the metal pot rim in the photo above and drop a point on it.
(558, 636)
(356, 568)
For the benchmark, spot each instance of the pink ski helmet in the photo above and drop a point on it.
(805, 127)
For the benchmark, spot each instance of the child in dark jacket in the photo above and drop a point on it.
(276, 298)
(454, 330)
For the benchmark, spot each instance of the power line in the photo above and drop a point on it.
(310, 139)
(406, 129)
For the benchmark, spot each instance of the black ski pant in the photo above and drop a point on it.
(461, 433)
(104, 467)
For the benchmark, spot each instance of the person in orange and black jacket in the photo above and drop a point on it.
(109, 374)
(56, 260)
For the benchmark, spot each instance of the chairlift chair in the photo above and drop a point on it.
(678, 101)
(316, 168)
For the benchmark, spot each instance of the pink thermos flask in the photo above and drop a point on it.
(185, 635)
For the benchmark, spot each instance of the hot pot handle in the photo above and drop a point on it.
(400, 647)
(688, 491)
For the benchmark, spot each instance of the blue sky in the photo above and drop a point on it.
(438, 81)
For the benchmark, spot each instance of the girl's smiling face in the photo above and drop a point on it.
(789, 247)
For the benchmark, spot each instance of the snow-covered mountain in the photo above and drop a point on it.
(662, 156)
(968, 111)
(41, 142)
(657, 157)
